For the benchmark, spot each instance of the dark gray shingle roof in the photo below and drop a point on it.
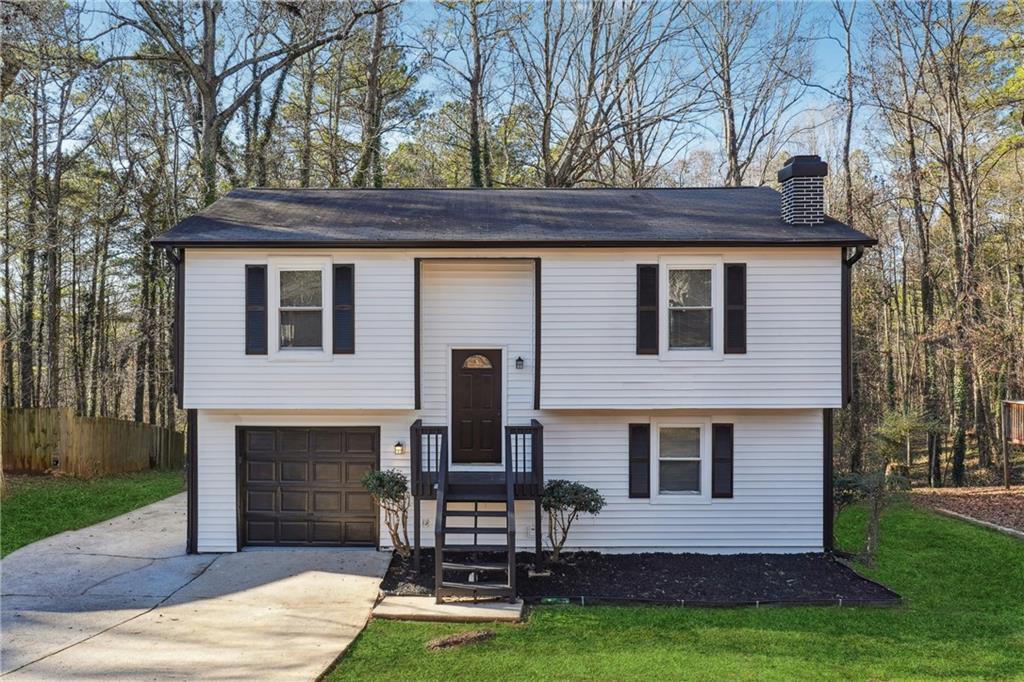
(506, 217)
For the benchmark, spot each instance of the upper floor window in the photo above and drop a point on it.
(300, 309)
(690, 308)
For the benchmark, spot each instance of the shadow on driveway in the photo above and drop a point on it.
(122, 600)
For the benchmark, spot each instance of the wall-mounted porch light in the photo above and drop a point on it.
(519, 362)
(399, 448)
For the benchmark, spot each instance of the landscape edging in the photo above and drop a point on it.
(1012, 532)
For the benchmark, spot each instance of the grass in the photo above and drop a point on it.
(40, 506)
(963, 619)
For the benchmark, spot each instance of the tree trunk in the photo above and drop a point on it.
(306, 155)
(959, 416)
(152, 401)
(208, 150)
(7, 338)
(475, 99)
(100, 344)
(26, 358)
(141, 368)
(368, 168)
(269, 124)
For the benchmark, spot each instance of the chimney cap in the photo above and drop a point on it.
(806, 166)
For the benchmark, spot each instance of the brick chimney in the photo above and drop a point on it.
(803, 190)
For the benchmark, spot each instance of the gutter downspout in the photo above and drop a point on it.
(828, 512)
(177, 258)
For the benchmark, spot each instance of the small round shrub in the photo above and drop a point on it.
(564, 501)
(390, 490)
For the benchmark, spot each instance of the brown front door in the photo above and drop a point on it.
(476, 406)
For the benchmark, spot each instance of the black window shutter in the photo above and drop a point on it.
(344, 325)
(255, 309)
(721, 460)
(735, 308)
(646, 309)
(639, 460)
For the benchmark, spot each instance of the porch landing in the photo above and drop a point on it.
(425, 608)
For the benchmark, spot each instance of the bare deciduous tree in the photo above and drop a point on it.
(599, 75)
(757, 63)
(184, 34)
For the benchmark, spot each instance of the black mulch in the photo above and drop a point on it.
(663, 578)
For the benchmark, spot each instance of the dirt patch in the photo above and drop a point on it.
(460, 639)
(663, 578)
(996, 505)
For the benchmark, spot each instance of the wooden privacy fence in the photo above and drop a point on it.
(39, 439)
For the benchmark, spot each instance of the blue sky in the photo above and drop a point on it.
(829, 64)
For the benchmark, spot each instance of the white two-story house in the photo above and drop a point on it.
(680, 350)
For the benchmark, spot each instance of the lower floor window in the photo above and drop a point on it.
(679, 459)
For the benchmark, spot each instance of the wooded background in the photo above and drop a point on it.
(120, 119)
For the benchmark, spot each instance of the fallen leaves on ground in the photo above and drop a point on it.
(995, 505)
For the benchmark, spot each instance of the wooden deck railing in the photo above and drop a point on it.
(1013, 421)
(1013, 433)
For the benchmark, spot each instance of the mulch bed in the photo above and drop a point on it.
(996, 505)
(679, 579)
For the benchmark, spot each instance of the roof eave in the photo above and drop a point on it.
(463, 244)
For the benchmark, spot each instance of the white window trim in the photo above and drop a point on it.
(276, 265)
(713, 263)
(704, 496)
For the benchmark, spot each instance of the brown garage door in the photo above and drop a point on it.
(300, 487)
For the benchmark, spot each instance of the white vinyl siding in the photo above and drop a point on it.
(217, 503)
(777, 502)
(593, 383)
(481, 304)
(218, 373)
(777, 505)
(588, 359)
(793, 358)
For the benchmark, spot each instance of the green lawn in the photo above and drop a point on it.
(36, 507)
(963, 619)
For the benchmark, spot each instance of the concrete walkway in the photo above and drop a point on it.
(426, 608)
(121, 600)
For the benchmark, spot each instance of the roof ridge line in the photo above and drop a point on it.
(494, 189)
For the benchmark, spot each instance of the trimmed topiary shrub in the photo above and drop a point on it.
(564, 501)
(390, 490)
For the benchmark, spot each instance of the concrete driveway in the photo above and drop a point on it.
(121, 600)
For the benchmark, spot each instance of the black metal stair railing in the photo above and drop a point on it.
(510, 518)
(428, 446)
(428, 449)
(524, 448)
(523, 477)
(439, 526)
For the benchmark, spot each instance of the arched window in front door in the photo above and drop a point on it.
(476, 362)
